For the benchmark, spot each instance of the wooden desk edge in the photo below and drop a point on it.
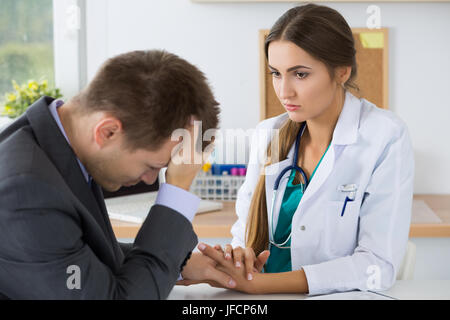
(438, 230)
(217, 230)
(203, 231)
(435, 230)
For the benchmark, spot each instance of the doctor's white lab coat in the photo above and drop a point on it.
(362, 249)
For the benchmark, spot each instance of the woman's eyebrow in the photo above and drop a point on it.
(291, 68)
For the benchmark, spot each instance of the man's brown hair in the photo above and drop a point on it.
(152, 93)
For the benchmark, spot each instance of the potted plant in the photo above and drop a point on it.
(17, 101)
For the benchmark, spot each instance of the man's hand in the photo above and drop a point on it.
(200, 269)
(187, 157)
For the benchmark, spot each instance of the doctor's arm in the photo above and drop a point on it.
(262, 283)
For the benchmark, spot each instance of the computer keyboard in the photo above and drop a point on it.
(134, 208)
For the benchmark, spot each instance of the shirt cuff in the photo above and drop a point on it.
(178, 199)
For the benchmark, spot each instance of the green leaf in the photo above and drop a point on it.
(26, 94)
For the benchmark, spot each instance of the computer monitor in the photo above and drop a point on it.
(141, 187)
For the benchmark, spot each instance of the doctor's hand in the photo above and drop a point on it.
(202, 269)
(226, 265)
(245, 256)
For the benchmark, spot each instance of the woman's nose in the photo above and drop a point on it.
(286, 91)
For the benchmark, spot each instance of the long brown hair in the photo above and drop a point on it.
(325, 35)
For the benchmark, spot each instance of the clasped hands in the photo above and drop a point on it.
(236, 269)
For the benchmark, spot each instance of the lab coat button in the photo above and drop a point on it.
(302, 228)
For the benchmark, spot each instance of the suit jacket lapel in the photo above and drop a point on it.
(98, 193)
(52, 141)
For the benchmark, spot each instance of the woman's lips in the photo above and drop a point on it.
(291, 107)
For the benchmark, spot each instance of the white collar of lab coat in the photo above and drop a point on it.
(346, 130)
(345, 133)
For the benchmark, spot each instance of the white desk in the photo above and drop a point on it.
(420, 290)
(206, 292)
(403, 289)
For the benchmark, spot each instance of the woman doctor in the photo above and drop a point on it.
(332, 204)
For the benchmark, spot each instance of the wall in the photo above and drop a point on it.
(222, 40)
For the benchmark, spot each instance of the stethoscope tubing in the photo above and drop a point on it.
(293, 166)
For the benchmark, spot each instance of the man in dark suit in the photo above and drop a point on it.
(56, 240)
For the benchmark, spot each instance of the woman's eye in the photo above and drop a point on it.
(275, 74)
(301, 75)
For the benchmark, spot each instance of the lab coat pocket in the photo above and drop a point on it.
(342, 229)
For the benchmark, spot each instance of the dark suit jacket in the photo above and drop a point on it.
(52, 220)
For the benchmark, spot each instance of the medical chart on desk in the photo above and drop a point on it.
(352, 295)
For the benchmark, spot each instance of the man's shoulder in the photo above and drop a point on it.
(20, 154)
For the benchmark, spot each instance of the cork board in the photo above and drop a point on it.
(372, 62)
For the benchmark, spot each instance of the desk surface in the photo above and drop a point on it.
(402, 290)
(217, 224)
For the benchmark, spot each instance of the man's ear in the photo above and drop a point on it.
(107, 130)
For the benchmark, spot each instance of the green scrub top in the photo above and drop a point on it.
(280, 259)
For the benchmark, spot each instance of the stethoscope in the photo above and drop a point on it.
(293, 166)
